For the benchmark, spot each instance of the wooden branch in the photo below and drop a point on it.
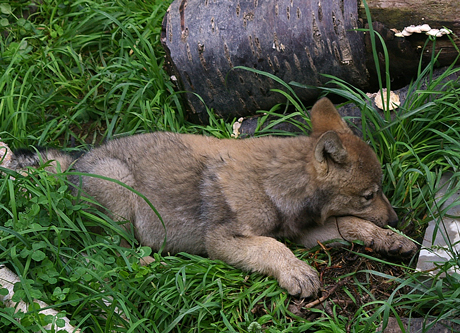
(323, 298)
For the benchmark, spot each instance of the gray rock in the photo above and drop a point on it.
(419, 325)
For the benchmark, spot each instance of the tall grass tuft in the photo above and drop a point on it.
(84, 67)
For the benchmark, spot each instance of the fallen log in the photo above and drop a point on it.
(295, 40)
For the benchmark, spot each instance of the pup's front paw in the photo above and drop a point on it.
(393, 244)
(380, 240)
(300, 280)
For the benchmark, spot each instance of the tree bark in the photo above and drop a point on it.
(292, 39)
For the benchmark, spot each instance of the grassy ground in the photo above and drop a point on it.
(73, 73)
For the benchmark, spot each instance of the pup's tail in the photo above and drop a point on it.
(22, 158)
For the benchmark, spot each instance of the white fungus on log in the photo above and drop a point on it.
(382, 105)
(236, 128)
(424, 28)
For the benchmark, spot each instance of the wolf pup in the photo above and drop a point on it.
(231, 199)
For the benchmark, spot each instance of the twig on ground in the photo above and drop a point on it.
(323, 298)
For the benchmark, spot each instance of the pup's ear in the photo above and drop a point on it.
(329, 147)
(324, 117)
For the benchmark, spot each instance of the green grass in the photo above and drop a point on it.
(85, 62)
(76, 73)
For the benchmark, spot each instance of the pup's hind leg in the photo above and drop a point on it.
(119, 201)
(265, 255)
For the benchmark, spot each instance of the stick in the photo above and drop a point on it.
(323, 298)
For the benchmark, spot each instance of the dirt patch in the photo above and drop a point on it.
(91, 133)
(341, 277)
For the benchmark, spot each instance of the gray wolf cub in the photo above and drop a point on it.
(232, 199)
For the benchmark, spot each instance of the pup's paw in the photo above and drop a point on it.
(300, 280)
(393, 244)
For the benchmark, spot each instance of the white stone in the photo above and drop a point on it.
(446, 242)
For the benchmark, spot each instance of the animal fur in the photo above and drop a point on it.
(232, 199)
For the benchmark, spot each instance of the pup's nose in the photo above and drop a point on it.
(393, 223)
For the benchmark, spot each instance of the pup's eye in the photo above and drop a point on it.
(369, 196)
